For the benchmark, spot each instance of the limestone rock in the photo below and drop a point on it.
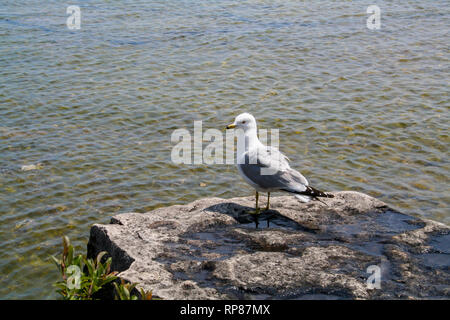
(212, 249)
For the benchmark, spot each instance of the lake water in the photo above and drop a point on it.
(94, 109)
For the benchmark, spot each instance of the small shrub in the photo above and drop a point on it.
(83, 277)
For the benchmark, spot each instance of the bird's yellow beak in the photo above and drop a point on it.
(231, 126)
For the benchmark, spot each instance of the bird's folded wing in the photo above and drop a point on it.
(269, 169)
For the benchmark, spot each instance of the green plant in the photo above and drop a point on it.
(82, 278)
(123, 292)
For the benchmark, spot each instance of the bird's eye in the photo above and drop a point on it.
(243, 122)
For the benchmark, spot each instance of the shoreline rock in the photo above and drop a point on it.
(212, 249)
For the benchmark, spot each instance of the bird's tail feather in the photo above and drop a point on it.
(311, 194)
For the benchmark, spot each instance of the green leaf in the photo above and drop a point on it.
(66, 244)
(90, 266)
(56, 261)
(127, 293)
(69, 255)
(117, 290)
(100, 256)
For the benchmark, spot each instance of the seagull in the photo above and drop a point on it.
(265, 168)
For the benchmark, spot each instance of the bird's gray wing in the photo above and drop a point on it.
(269, 169)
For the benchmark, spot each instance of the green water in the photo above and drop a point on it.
(357, 109)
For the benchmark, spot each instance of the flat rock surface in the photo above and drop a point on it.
(213, 249)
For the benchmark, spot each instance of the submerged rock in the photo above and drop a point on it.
(213, 249)
(32, 167)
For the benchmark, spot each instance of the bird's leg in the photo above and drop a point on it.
(268, 201)
(256, 205)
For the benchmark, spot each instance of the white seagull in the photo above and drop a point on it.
(265, 168)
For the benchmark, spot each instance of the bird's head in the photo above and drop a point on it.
(244, 121)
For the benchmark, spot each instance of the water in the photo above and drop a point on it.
(356, 109)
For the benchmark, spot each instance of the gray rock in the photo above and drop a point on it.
(213, 249)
